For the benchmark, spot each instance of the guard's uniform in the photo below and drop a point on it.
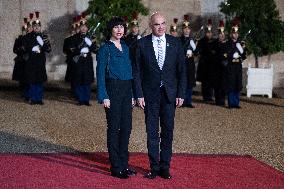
(82, 70)
(36, 44)
(206, 74)
(236, 55)
(189, 47)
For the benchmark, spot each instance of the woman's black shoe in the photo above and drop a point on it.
(130, 172)
(121, 175)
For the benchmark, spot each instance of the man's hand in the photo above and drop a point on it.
(179, 102)
(106, 103)
(36, 49)
(39, 40)
(141, 103)
(84, 50)
(88, 41)
(133, 102)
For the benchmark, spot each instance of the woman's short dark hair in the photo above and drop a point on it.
(115, 21)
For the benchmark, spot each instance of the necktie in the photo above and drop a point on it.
(160, 54)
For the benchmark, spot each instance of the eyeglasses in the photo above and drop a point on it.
(159, 25)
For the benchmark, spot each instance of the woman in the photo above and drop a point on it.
(114, 81)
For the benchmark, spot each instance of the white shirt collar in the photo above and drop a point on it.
(155, 38)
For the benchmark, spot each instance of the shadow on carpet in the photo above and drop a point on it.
(91, 170)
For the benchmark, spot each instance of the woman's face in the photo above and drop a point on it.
(117, 31)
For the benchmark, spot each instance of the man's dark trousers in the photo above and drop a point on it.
(164, 110)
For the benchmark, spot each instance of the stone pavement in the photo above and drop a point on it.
(60, 126)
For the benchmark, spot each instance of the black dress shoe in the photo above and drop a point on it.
(87, 104)
(190, 106)
(121, 175)
(40, 102)
(33, 102)
(130, 172)
(151, 175)
(238, 107)
(165, 174)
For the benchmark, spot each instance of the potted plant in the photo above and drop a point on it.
(263, 31)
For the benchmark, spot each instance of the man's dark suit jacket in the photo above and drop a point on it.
(148, 76)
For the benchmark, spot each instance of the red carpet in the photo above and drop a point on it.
(90, 170)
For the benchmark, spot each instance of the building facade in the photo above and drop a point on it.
(56, 17)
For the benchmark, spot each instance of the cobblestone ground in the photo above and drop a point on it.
(61, 126)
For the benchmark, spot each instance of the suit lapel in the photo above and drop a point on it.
(151, 53)
(168, 47)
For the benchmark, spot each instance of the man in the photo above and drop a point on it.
(236, 55)
(68, 51)
(159, 80)
(189, 47)
(133, 36)
(173, 28)
(36, 44)
(82, 47)
(18, 49)
(206, 48)
(219, 83)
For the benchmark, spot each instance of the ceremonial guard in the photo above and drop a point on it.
(132, 38)
(75, 28)
(82, 47)
(174, 28)
(18, 49)
(189, 47)
(134, 35)
(236, 55)
(219, 83)
(36, 44)
(206, 48)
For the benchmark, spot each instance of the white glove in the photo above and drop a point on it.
(85, 50)
(189, 53)
(236, 55)
(39, 40)
(192, 44)
(88, 41)
(36, 49)
(240, 48)
(139, 37)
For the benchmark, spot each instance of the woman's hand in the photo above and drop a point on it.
(133, 102)
(106, 103)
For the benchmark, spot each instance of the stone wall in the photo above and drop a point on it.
(56, 16)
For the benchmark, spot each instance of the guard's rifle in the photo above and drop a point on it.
(144, 32)
(198, 34)
(90, 34)
(245, 37)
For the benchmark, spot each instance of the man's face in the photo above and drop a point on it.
(158, 25)
(135, 30)
(235, 35)
(174, 33)
(221, 36)
(29, 29)
(83, 29)
(186, 31)
(209, 34)
(37, 28)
